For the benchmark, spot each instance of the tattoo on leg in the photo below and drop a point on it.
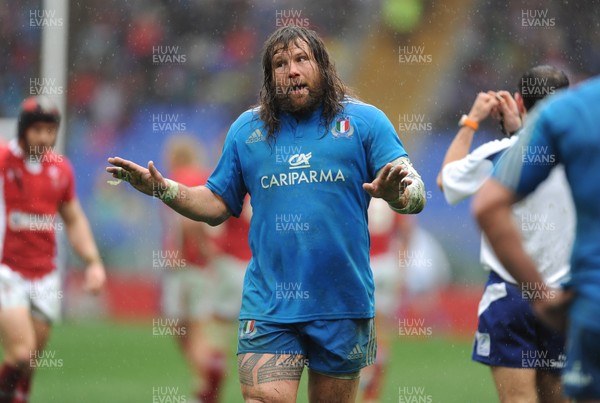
(245, 368)
(292, 361)
(271, 372)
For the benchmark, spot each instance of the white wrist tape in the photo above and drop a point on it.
(171, 193)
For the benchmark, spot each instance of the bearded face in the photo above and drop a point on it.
(298, 87)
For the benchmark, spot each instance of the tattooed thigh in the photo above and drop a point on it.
(270, 377)
(257, 368)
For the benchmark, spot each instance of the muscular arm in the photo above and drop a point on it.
(461, 144)
(198, 203)
(459, 148)
(492, 208)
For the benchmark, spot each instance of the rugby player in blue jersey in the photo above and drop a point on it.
(562, 130)
(311, 157)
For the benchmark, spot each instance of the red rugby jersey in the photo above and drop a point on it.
(234, 239)
(33, 189)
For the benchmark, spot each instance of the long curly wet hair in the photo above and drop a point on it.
(333, 89)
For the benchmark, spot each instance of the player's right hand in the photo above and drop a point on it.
(146, 180)
(95, 277)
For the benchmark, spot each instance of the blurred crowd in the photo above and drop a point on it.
(20, 45)
(504, 39)
(125, 56)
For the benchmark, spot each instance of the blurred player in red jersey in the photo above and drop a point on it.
(234, 255)
(36, 184)
(189, 287)
(231, 262)
(390, 236)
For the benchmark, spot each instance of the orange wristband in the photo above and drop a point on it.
(465, 121)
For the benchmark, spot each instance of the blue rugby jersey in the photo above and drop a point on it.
(564, 129)
(308, 234)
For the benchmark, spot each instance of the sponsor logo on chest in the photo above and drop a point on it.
(300, 172)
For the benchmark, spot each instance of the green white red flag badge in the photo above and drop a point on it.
(342, 128)
(249, 326)
(248, 329)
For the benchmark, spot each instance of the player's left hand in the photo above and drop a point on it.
(390, 185)
(95, 277)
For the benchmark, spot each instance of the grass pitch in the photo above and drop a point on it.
(114, 362)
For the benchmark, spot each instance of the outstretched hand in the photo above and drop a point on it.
(390, 185)
(146, 180)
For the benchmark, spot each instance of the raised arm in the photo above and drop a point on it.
(198, 203)
(461, 144)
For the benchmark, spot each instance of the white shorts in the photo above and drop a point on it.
(387, 276)
(41, 296)
(188, 294)
(230, 283)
